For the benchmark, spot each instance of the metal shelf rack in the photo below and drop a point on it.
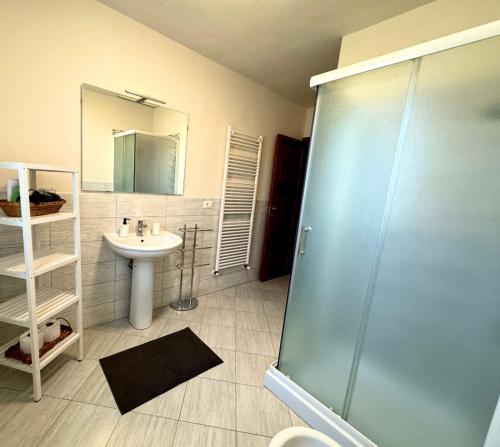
(189, 303)
(38, 305)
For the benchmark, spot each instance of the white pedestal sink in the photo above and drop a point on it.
(144, 251)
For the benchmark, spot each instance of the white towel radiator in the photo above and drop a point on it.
(239, 194)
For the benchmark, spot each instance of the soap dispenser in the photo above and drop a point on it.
(124, 227)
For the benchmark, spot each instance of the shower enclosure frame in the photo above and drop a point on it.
(304, 404)
(137, 132)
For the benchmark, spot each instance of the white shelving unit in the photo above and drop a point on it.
(38, 305)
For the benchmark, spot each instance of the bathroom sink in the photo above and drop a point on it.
(143, 247)
(144, 251)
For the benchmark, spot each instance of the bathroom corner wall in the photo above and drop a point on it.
(106, 277)
(50, 47)
(430, 21)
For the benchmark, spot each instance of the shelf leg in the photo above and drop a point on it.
(37, 381)
(24, 184)
(79, 310)
(78, 263)
(35, 353)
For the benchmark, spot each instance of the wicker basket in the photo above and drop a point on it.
(13, 209)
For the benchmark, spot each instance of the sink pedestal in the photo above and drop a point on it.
(144, 250)
(141, 299)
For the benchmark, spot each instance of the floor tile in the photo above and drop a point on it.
(221, 317)
(275, 323)
(163, 312)
(208, 405)
(114, 326)
(154, 331)
(251, 321)
(210, 402)
(249, 305)
(191, 315)
(16, 380)
(172, 326)
(268, 295)
(229, 291)
(226, 371)
(297, 421)
(250, 368)
(259, 412)
(194, 435)
(23, 422)
(276, 341)
(248, 440)
(167, 405)
(95, 390)
(257, 293)
(98, 344)
(274, 308)
(125, 342)
(218, 300)
(141, 430)
(64, 375)
(81, 425)
(218, 336)
(277, 285)
(242, 290)
(254, 342)
(248, 291)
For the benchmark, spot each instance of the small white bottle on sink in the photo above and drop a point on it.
(124, 227)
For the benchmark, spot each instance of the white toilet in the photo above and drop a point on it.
(302, 437)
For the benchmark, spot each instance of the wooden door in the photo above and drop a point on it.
(284, 206)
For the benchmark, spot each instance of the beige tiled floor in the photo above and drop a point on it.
(223, 407)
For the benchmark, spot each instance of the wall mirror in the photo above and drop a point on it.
(131, 143)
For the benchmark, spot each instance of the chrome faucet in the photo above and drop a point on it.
(140, 227)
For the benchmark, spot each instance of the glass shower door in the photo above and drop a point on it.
(354, 141)
(124, 164)
(429, 373)
(147, 164)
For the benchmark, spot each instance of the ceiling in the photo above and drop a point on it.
(278, 43)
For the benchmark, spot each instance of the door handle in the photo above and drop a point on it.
(302, 241)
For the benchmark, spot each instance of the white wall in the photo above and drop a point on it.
(308, 122)
(433, 20)
(49, 47)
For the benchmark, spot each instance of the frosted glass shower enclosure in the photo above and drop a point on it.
(393, 315)
(144, 162)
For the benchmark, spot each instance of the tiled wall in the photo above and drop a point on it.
(106, 277)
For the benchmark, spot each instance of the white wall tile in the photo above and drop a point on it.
(98, 294)
(106, 276)
(97, 205)
(138, 205)
(93, 228)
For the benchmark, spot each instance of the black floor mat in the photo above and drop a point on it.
(141, 373)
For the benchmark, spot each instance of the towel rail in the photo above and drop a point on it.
(241, 175)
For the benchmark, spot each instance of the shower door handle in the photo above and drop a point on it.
(302, 241)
